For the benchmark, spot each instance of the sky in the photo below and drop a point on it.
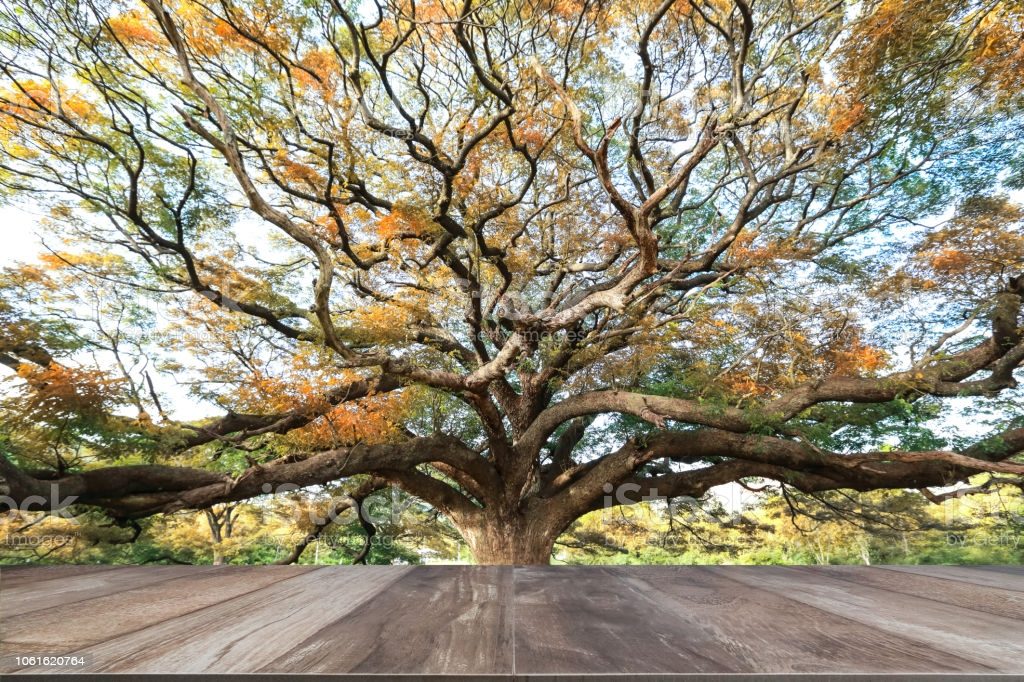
(19, 241)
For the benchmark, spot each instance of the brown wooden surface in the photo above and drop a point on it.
(524, 621)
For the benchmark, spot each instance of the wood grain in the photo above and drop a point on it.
(245, 633)
(529, 622)
(749, 628)
(569, 619)
(448, 620)
(13, 576)
(1016, 570)
(133, 609)
(975, 575)
(56, 592)
(991, 642)
(956, 593)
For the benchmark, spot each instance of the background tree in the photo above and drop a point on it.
(974, 526)
(509, 257)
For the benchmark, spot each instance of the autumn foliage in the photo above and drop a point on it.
(501, 255)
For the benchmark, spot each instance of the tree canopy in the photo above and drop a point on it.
(519, 259)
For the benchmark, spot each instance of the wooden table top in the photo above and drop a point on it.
(532, 621)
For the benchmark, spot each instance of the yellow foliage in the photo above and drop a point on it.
(58, 390)
(844, 115)
(296, 171)
(92, 262)
(532, 133)
(28, 97)
(375, 419)
(999, 50)
(263, 21)
(858, 359)
(320, 69)
(744, 385)
(404, 222)
(34, 101)
(754, 249)
(949, 260)
(984, 240)
(135, 28)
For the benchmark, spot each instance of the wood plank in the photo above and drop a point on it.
(15, 576)
(69, 627)
(40, 595)
(436, 620)
(965, 595)
(753, 630)
(533, 621)
(998, 580)
(245, 633)
(991, 641)
(1016, 570)
(588, 618)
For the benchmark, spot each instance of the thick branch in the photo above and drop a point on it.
(149, 489)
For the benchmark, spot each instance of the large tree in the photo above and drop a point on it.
(520, 259)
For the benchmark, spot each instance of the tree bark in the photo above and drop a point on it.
(510, 540)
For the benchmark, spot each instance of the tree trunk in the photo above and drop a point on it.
(510, 541)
